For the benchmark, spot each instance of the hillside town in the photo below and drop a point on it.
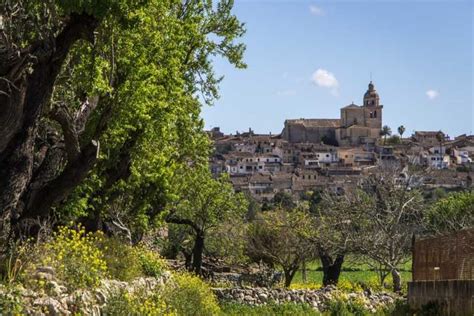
(311, 154)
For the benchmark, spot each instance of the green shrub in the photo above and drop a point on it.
(74, 256)
(151, 263)
(400, 308)
(137, 303)
(10, 300)
(126, 263)
(342, 305)
(190, 296)
(123, 262)
(287, 309)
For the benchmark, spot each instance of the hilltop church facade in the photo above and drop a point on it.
(358, 124)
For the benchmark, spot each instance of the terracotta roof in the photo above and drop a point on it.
(426, 133)
(351, 106)
(315, 122)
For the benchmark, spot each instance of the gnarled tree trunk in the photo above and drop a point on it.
(198, 250)
(397, 280)
(331, 268)
(23, 97)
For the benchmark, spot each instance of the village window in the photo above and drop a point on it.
(375, 114)
(260, 167)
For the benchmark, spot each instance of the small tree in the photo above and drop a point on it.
(386, 131)
(283, 200)
(452, 213)
(401, 130)
(204, 203)
(394, 213)
(336, 221)
(281, 238)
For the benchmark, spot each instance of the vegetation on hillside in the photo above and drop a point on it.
(104, 169)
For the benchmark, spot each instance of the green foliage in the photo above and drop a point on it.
(75, 257)
(452, 213)
(343, 305)
(137, 303)
(400, 308)
(394, 140)
(281, 238)
(356, 275)
(145, 74)
(150, 262)
(203, 206)
(10, 300)
(205, 201)
(122, 260)
(283, 200)
(287, 309)
(185, 295)
(125, 262)
(190, 296)
(16, 259)
(401, 130)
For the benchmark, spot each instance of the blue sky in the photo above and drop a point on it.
(307, 59)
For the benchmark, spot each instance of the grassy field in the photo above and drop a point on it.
(353, 272)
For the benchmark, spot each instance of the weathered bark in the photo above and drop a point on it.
(188, 257)
(119, 171)
(397, 281)
(303, 272)
(17, 150)
(289, 274)
(331, 268)
(198, 249)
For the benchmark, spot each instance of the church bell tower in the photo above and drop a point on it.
(372, 108)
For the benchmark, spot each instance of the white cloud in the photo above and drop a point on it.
(432, 94)
(315, 10)
(286, 93)
(325, 79)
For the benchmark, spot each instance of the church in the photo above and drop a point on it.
(358, 125)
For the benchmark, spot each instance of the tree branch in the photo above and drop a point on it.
(71, 141)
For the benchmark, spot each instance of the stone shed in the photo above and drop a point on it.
(443, 273)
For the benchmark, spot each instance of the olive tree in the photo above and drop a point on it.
(337, 219)
(393, 214)
(202, 205)
(281, 238)
(101, 99)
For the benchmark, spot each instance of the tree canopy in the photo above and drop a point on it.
(102, 102)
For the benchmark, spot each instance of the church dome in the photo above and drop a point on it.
(371, 92)
(371, 97)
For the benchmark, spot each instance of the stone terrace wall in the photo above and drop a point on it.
(455, 297)
(318, 299)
